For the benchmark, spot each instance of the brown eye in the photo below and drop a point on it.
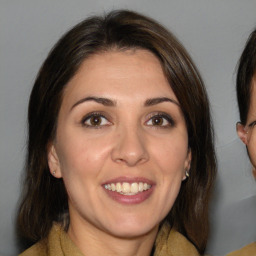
(95, 120)
(157, 120)
(162, 120)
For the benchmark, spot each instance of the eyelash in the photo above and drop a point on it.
(166, 117)
(163, 116)
(252, 124)
(95, 115)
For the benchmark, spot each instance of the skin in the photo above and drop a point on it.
(247, 132)
(131, 141)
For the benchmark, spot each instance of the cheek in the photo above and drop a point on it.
(171, 158)
(172, 155)
(82, 156)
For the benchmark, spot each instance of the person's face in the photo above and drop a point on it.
(121, 144)
(247, 133)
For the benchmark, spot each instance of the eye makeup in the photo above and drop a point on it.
(160, 120)
(95, 120)
(252, 124)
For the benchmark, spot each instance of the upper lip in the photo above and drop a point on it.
(129, 180)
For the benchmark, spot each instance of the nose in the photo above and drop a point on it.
(130, 147)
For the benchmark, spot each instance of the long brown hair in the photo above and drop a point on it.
(246, 71)
(45, 198)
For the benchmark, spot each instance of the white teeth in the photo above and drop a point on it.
(134, 188)
(126, 188)
(118, 187)
(141, 187)
(113, 187)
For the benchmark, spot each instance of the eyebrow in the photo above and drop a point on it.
(110, 103)
(155, 101)
(103, 101)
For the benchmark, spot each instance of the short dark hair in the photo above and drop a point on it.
(245, 73)
(45, 198)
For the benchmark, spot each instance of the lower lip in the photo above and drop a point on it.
(131, 199)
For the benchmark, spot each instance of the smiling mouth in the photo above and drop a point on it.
(129, 189)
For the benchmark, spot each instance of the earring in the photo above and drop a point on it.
(53, 173)
(187, 174)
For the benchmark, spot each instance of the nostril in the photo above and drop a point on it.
(131, 160)
(130, 148)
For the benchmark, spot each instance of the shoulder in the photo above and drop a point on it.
(248, 250)
(44, 246)
(39, 249)
(57, 243)
(180, 244)
(171, 242)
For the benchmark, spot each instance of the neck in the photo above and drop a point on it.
(86, 235)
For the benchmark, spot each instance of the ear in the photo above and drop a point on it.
(242, 133)
(53, 161)
(187, 164)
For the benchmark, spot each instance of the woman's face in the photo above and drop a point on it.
(121, 145)
(247, 133)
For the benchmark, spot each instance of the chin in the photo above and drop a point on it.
(127, 229)
(129, 233)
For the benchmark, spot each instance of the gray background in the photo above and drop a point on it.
(214, 32)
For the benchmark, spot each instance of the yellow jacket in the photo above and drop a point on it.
(168, 243)
(249, 250)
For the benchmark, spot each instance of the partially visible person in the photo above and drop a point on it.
(246, 128)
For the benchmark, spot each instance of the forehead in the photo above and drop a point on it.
(128, 72)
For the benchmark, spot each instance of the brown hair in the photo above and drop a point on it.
(45, 198)
(245, 73)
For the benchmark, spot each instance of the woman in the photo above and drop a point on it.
(246, 96)
(120, 149)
